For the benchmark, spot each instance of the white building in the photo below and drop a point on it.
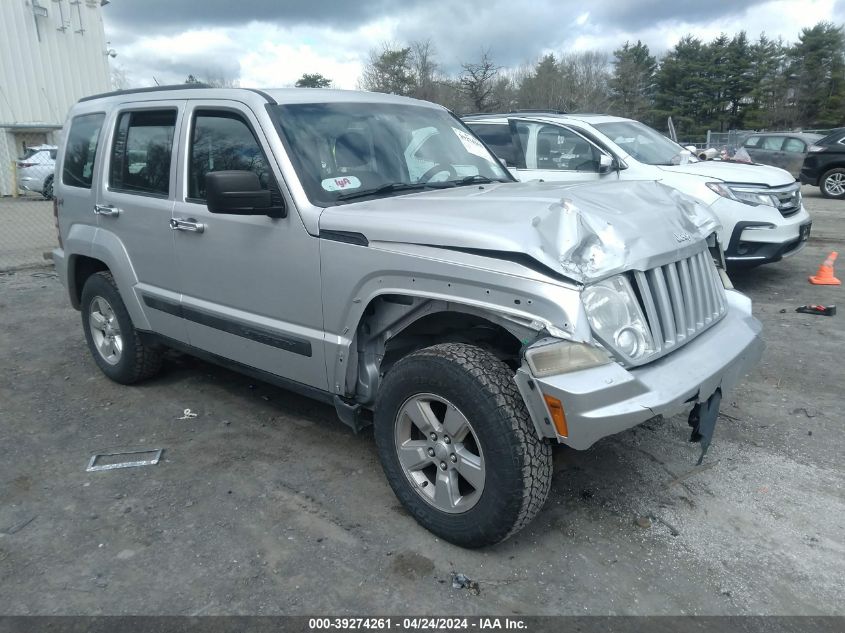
(52, 53)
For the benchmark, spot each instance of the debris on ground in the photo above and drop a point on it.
(96, 462)
(817, 309)
(460, 581)
(643, 522)
(187, 414)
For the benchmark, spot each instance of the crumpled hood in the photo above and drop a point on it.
(735, 172)
(583, 231)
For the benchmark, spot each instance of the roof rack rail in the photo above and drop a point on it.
(524, 111)
(540, 111)
(191, 86)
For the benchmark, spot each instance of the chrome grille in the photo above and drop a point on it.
(788, 202)
(680, 300)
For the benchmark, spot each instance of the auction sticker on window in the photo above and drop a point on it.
(471, 144)
(341, 183)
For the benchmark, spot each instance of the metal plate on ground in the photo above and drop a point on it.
(130, 459)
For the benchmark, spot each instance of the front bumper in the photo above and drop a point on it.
(27, 183)
(809, 177)
(605, 400)
(759, 235)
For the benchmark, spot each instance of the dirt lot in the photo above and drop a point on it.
(265, 504)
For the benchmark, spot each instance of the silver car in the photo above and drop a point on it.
(35, 170)
(786, 150)
(369, 251)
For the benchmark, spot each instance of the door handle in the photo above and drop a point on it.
(106, 209)
(187, 224)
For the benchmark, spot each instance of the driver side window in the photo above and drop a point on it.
(561, 149)
(222, 140)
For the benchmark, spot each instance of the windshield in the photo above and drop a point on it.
(645, 144)
(350, 151)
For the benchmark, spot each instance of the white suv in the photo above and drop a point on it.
(760, 208)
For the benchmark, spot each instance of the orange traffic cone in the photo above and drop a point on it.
(825, 275)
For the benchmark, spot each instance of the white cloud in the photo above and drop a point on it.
(263, 54)
(276, 65)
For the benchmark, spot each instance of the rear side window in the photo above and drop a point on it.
(559, 148)
(754, 141)
(772, 142)
(498, 138)
(143, 146)
(794, 145)
(81, 150)
(222, 141)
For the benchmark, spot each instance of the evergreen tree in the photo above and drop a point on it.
(389, 70)
(682, 86)
(739, 81)
(632, 83)
(313, 80)
(817, 69)
(543, 89)
(767, 77)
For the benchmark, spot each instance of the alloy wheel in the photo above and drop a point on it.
(835, 184)
(105, 330)
(439, 453)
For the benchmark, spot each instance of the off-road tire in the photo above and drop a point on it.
(836, 172)
(518, 463)
(138, 360)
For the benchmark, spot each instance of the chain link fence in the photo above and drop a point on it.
(27, 229)
(733, 139)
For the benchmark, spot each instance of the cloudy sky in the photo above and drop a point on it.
(270, 43)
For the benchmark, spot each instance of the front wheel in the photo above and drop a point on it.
(458, 447)
(833, 184)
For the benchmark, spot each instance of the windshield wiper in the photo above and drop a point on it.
(393, 187)
(476, 179)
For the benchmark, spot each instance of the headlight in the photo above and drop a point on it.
(816, 148)
(554, 356)
(616, 318)
(752, 196)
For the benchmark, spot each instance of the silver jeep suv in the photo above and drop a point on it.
(368, 250)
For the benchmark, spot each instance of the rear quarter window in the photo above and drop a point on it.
(81, 150)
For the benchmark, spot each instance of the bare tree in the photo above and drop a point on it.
(118, 77)
(424, 69)
(586, 76)
(213, 80)
(478, 81)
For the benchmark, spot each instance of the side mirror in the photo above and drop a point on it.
(238, 193)
(606, 164)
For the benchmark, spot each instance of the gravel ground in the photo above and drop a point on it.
(265, 504)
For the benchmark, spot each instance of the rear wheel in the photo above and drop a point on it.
(833, 184)
(47, 189)
(458, 447)
(114, 343)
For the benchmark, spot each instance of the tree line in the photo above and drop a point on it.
(726, 83)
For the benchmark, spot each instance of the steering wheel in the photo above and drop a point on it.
(438, 168)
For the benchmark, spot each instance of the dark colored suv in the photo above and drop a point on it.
(824, 165)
